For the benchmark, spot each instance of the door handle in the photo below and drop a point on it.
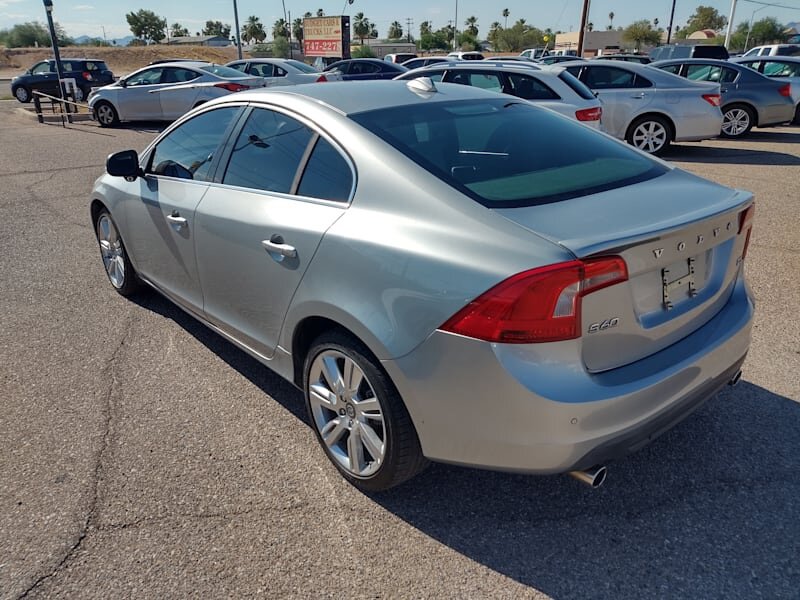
(275, 244)
(638, 96)
(723, 90)
(176, 219)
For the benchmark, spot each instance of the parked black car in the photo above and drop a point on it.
(358, 69)
(87, 73)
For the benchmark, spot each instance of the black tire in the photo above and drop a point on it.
(106, 114)
(22, 94)
(116, 262)
(82, 94)
(402, 456)
(737, 120)
(650, 133)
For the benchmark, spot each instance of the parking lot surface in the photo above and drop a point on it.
(144, 456)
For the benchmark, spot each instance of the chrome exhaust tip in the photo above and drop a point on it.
(593, 477)
(735, 379)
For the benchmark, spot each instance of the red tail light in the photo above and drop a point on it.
(87, 76)
(786, 90)
(589, 114)
(540, 305)
(712, 99)
(322, 79)
(746, 222)
(232, 87)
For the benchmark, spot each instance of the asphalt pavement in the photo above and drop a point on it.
(141, 455)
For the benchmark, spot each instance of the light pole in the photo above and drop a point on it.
(671, 19)
(730, 24)
(236, 23)
(750, 26)
(455, 27)
(48, 7)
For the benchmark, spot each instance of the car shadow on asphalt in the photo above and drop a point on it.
(732, 156)
(710, 509)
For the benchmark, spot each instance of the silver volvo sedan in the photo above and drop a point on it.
(447, 273)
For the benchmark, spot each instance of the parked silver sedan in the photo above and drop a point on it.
(165, 91)
(748, 98)
(779, 68)
(650, 108)
(282, 71)
(448, 274)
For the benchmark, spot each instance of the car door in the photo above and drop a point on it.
(625, 95)
(161, 225)
(44, 77)
(139, 99)
(174, 103)
(284, 185)
(716, 74)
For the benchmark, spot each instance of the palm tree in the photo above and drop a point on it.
(611, 20)
(424, 28)
(280, 29)
(655, 22)
(472, 26)
(361, 26)
(178, 30)
(589, 26)
(253, 30)
(320, 12)
(505, 16)
(395, 31)
(297, 30)
(373, 31)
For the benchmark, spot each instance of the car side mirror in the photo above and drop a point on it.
(124, 164)
(123, 83)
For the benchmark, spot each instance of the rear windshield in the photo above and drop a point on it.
(577, 85)
(507, 154)
(789, 50)
(220, 71)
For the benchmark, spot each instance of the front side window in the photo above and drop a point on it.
(505, 153)
(41, 68)
(188, 150)
(781, 69)
(267, 152)
(146, 77)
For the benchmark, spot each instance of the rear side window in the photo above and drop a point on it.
(609, 78)
(327, 174)
(789, 50)
(529, 88)
(221, 71)
(674, 69)
(577, 85)
(781, 69)
(267, 152)
(483, 80)
(188, 150)
(96, 65)
(505, 153)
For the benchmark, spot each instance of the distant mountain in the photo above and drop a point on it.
(87, 39)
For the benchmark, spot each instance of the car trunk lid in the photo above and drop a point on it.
(680, 238)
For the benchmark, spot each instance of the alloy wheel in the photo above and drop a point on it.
(736, 122)
(22, 94)
(105, 114)
(111, 250)
(650, 136)
(346, 413)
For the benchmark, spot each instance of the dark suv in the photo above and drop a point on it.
(42, 76)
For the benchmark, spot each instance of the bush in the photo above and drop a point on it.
(362, 52)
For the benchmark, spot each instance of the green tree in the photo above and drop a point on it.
(395, 31)
(147, 25)
(767, 31)
(472, 26)
(467, 42)
(424, 28)
(590, 26)
(320, 12)
(178, 30)
(518, 37)
(506, 12)
(217, 28)
(253, 29)
(494, 29)
(297, 30)
(363, 52)
(280, 28)
(611, 20)
(706, 17)
(434, 40)
(361, 26)
(641, 32)
(280, 46)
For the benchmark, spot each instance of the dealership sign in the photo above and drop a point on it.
(326, 36)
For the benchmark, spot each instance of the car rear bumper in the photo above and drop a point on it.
(534, 408)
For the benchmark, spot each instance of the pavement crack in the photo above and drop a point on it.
(107, 410)
(160, 520)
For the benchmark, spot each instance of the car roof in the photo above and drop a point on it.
(482, 65)
(772, 58)
(348, 98)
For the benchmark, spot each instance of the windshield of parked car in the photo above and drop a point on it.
(507, 154)
(220, 71)
(301, 66)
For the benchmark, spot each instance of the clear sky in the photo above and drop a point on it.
(89, 17)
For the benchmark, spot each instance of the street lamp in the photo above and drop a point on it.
(236, 24)
(48, 7)
(750, 26)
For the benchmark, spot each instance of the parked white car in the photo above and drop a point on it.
(774, 50)
(282, 71)
(552, 87)
(650, 108)
(165, 91)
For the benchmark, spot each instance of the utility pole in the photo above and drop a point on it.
(582, 30)
(48, 7)
(455, 27)
(730, 24)
(671, 19)
(409, 25)
(238, 33)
